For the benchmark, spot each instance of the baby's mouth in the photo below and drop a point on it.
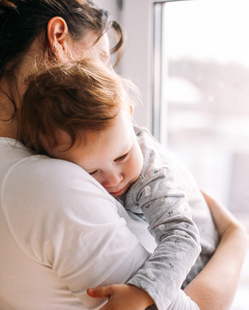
(118, 193)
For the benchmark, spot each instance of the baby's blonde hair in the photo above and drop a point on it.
(83, 95)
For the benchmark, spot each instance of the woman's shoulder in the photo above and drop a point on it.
(41, 184)
(50, 171)
(20, 165)
(41, 197)
(61, 217)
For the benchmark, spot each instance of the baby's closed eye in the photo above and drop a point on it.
(121, 157)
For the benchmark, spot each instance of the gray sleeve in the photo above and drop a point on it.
(165, 208)
(183, 302)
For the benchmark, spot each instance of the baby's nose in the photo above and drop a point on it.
(113, 180)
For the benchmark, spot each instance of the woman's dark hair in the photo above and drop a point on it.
(22, 21)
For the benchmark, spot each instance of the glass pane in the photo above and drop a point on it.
(207, 94)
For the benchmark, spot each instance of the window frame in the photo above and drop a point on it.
(143, 62)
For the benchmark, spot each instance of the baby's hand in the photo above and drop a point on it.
(122, 297)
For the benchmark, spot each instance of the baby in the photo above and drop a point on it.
(81, 111)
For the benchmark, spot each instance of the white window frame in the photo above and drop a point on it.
(143, 62)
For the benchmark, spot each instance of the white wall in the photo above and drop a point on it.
(110, 5)
(137, 60)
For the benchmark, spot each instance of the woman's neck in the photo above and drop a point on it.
(10, 97)
(8, 129)
(8, 122)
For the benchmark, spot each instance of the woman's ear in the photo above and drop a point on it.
(57, 32)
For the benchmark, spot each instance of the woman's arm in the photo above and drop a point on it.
(215, 286)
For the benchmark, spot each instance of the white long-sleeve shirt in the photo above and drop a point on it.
(60, 233)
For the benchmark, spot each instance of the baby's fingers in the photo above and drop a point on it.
(100, 292)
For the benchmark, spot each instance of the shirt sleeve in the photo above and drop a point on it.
(65, 221)
(180, 302)
(183, 302)
(165, 207)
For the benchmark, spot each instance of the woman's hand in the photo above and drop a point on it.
(122, 297)
(216, 284)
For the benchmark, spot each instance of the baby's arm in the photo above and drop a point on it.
(166, 209)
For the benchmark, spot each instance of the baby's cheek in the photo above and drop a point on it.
(98, 179)
(137, 167)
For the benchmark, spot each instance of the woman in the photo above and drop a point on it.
(56, 237)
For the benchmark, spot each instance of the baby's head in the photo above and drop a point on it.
(81, 111)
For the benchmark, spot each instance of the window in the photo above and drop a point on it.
(205, 94)
(201, 58)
